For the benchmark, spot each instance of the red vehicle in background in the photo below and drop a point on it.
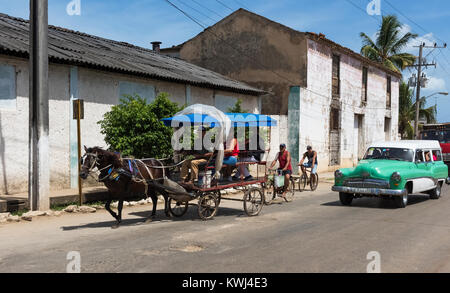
(441, 133)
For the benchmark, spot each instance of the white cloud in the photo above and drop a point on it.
(428, 39)
(436, 84)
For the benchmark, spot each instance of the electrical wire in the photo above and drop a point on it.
(224, 5)
(198, 11)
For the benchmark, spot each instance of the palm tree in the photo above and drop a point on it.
(388, 45)
(407, 111)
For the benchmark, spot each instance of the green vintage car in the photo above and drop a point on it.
(394, 170)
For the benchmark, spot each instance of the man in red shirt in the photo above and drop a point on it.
(284, 160)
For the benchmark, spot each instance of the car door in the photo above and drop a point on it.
(438, 168)
(423, 179)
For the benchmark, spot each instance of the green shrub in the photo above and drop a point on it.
(134, 128)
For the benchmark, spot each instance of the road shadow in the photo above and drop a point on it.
(191, 215)
(379, 203)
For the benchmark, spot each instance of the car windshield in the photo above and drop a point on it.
(380, 153)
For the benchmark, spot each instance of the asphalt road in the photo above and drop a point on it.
(315, 233)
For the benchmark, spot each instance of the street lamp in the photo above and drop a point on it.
(437, 93)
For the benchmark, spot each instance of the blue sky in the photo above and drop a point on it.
(142, 21)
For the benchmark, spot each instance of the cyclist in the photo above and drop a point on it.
(284, 160)
(312, 160)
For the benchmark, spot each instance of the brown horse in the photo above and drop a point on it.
(125, 178)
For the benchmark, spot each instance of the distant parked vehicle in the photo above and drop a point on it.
(394, 170)
(441, 133)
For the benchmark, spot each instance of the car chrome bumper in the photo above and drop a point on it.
(372, 191)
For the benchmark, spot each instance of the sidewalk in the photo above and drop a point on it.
(14, 202)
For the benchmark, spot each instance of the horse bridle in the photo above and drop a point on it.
(94, 164)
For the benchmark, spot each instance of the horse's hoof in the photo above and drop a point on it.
(148, 221)
(115, 226)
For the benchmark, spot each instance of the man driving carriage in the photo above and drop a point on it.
(200, 157)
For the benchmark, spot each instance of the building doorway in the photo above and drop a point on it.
(358, 138)
(335, 137)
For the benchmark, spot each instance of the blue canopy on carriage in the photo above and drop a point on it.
(237, 120)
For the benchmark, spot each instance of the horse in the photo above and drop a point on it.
(124, 177)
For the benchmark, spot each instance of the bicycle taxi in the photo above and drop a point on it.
(210, 191)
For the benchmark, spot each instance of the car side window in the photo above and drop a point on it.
(437, 156)
(419, 156)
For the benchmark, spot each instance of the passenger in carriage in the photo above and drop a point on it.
(230, 158)
(201, 157)
(249, 155)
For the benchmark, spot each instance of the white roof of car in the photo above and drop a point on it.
(408, 144)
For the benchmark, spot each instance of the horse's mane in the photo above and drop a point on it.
(111, 157)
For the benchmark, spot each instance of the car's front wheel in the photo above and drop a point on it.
(401, 201)
(436, 193)
(346, 198)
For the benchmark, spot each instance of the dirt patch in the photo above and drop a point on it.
(189, 248)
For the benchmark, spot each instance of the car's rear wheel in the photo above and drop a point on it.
(436, 193)
(401, 201)
(346, 198)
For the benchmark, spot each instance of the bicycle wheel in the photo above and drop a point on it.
(290, 192)
(303, 181)
(314, 181)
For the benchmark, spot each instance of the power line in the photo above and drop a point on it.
(198, 11)
(241, 4)
(210, 10)
(187, 15)
(412, 21)
(421, 27)
(256, 62)
(224, 5)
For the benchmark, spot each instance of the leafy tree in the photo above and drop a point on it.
(407, 111)
(134, 127)
(387, 47)
(237, 108)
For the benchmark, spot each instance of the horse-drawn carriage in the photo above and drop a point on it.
(148, 177)
(210, 192)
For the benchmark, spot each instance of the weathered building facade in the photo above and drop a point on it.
(336, 100)
(99, 71)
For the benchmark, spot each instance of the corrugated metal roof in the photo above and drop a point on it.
(71, 47)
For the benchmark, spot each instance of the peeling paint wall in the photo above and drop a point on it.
(316, 101)
(100, 90)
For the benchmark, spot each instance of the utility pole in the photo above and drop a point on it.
(39, 167)
(421, 82)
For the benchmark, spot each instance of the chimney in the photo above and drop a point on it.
(156, 46)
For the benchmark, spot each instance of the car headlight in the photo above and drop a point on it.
(396, 177)
(338, 174)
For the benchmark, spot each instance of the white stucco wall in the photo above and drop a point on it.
(100, 90)
(316, 100)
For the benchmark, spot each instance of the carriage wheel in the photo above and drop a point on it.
(303, 181)
(290, 190)
(177, 209)
(314, 181)
(253, 201)
(208, 205)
